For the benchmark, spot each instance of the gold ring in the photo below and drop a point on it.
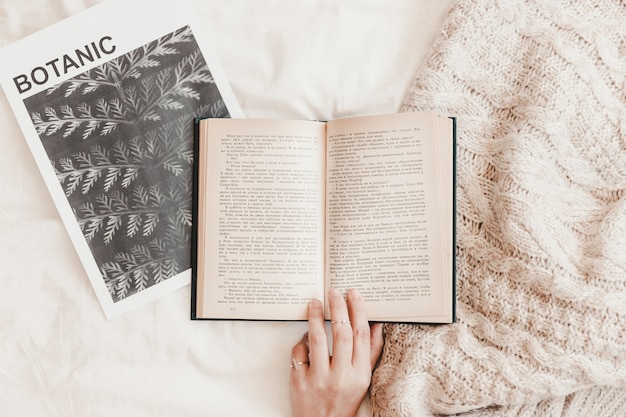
(296, 365)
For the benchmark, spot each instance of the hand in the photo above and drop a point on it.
(334, 386)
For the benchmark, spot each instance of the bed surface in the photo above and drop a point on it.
(59, 355)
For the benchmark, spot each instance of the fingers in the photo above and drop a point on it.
(300, 354)
(317, 339)
(376, 343)
(354, 340)
(341, 328)
(360, 329)
(339, 382)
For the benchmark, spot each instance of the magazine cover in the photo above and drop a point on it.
(106, 100)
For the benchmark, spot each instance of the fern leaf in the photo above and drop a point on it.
(136, 149)
(134, 73)
(100, 74)
(112, 226)
(84, 110)
(166, 269)
(71, 182)
(70, 128)
(204, 77)
(83, 159)
(90, 88)
(218, 109)
(170, 104)
(51, 114)
(66, 164)
(110, 284)
(129, 175)
(122, 286)
(148, 90)
(53, 89)
(54, 128)
(66, 111)
(101, 155)
(87, 210)
(36, 118)
(113, 269)
(163, 79)
(134, 225)
(71, 88)
(156, 196)
(116, 67)
(108, 128)
(174, 236)
(158, 247)
(92, 126)
(149, 63)
(102, 108)
(140, 279)
(120, 152)
(141, 253)
(170, 268)
(187, 92)
(117, 110)
(183, 216)
(113, 173)
(152, 116)
(131, 99)
(159, 272)
(119, 201)
(105, 205)
(40, 129)
(127, 260)
(142, 198)
(173, 167)
(166, 50)
(91, 178)
(90, 228)
(152, 146)
(187, 156)
(150, 223)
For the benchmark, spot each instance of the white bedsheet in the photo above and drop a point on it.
(59, 356)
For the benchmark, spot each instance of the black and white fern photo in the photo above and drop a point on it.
(120, 139)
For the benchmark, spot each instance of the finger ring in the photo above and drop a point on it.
(296, 365)
(340, 322)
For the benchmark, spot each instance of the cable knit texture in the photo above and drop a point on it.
(539, 90)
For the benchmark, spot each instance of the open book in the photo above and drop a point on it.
(287, 209)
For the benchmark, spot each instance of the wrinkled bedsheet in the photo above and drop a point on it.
(59, 356)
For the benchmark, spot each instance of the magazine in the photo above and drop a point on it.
(106, 100)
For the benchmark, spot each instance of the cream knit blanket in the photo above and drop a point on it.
(539, 89)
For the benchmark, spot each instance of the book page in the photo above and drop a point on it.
(263, 220)
(385, 231)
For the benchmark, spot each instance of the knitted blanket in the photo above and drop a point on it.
(539, 90)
